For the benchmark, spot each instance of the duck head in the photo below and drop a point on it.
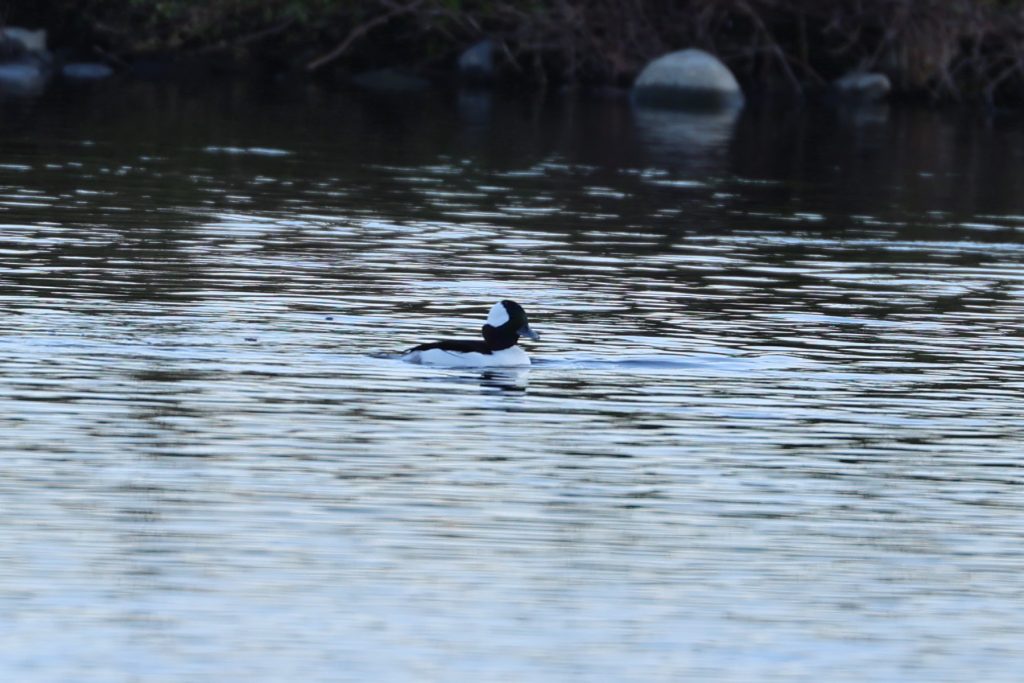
(506, 323)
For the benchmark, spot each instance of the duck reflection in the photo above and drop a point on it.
(505, 379)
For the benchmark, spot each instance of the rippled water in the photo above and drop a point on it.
(772, 430)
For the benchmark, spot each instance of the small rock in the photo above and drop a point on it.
(862, 87)
(31, 41)
(23, 78)
(86, 71)
(688, 79)
(476, 64)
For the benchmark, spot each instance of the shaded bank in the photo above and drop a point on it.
(941, 50)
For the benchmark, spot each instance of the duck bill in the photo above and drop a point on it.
(525, 331)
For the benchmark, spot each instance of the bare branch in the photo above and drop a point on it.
(360, 31)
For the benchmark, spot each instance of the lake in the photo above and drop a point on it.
(772, 430)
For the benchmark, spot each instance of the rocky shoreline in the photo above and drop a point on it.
(670, 53)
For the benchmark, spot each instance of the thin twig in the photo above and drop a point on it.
(359, 31)
(251, 38)
(773, 47)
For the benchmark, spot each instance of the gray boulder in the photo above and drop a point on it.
(29, 40)
(476, 64)
(86, 71)
(688, 79)
(25, 63)
(862, 87)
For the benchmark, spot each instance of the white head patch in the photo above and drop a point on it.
(498, 315)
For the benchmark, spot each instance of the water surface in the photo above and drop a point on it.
(772, 430)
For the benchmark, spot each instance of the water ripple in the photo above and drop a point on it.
(772, 427)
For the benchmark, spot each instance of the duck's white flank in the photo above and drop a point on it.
(510, 357)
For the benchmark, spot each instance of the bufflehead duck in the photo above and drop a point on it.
(506, 322)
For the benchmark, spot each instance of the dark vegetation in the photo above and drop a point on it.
(942, 50)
